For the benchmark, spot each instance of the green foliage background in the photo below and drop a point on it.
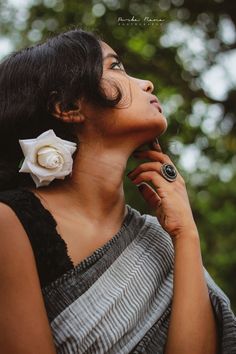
(175, 68)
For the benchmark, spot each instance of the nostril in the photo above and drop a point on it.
(150, 86)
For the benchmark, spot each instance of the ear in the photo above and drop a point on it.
(71, 116)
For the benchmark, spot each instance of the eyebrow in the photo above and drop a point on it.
(111, 55)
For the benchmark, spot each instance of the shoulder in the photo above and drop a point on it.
(21, 204)
(21, 300)
(13, 238)
(15, 198)
(8, 218)
(11, 207)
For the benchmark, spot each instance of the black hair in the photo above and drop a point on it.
(63, 69)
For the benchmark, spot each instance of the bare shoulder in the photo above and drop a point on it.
(23, 314)
(8, 218)
(15, 245)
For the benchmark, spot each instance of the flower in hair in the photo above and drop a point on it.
(47, 157)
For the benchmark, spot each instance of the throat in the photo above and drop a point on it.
(82, 238)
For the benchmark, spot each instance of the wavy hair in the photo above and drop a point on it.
(65, 68)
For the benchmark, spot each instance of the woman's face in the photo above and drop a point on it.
(137, 117)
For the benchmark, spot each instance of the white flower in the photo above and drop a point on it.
(47, 157)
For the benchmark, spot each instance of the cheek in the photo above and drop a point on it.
(108, 87)
(139, 104)
(138, 98)
(111, 84)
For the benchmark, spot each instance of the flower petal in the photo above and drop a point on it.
(54, 152)
(48, 134)
(42, 171)
(38, 183)
(25, 167)
(26, 145)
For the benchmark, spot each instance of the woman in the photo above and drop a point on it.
(81, 270)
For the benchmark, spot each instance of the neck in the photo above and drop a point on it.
(95, 189)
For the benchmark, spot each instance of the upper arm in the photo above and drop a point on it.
(24, 326)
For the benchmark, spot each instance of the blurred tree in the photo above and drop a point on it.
(175, 44)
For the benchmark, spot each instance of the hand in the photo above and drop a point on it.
(169, 199)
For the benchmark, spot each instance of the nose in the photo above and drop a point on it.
(146, 85)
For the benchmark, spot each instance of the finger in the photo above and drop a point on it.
(150, 195)
(155, 145)
(153, 155)
(160, 184)
(147, 166)
(151, 176)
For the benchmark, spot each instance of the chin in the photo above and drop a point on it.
(162, 126)
(164, 129)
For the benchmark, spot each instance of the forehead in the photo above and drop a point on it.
(106, 49)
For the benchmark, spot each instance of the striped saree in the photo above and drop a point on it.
(118, 300)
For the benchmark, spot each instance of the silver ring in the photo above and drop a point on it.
(169, 172)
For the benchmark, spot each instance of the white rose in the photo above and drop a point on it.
(50, 157)
(47, 157)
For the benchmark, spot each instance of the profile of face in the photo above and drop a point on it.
(138, 118)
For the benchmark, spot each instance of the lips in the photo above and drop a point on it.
(156, 103)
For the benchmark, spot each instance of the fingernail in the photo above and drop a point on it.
(156, 141)
(129, 172)
(156, 145)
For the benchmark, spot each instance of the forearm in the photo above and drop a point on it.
(192, 327)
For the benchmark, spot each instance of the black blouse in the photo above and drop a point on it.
(50, 250)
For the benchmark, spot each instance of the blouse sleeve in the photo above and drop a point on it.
(224, 315)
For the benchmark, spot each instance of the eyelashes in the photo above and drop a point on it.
(118, 64)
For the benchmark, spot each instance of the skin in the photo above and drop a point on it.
(108, 137)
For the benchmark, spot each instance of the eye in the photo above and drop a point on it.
(117, 64)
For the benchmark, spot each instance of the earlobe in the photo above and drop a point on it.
(74, 116)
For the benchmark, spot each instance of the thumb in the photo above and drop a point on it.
(149, 194)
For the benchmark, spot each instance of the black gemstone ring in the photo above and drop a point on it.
(168, 172)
